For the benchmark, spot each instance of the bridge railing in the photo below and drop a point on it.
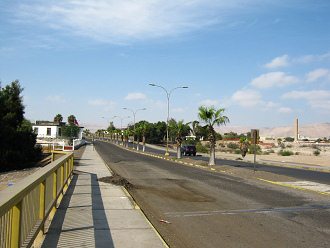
(26, 206)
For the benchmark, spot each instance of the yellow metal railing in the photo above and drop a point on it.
(26, 206)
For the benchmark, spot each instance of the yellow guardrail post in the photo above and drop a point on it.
(25, 208)
(61, 182)
(16, 225)
(65, 176)
(42, 202)
(70, 169)
(52, 213)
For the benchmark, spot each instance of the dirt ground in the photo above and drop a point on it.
(305, 156)
(8, 179)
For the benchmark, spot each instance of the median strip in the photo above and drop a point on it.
(319, 188)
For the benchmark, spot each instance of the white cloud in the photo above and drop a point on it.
(272, 79)
(286, 60)
(246, 98)
(209, 102)
(317, 74)
(277, 62)
(269, 105)
(135, 96)
(312, 94)
(285, 110)
(101, 103)
(305, 59)
(56, 99)
(116, 21)
(315, 98)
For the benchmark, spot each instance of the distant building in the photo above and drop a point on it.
(51, 130)
(48, 129)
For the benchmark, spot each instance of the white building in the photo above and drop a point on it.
(52, 130)
(48, 129)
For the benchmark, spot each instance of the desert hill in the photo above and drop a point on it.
(318, 130)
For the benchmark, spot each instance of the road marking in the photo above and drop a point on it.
(247, 211)
(323, 189)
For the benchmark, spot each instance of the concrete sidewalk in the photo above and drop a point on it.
(97, 214)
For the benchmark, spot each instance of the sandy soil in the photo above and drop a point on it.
(8, 179)
(305, 156)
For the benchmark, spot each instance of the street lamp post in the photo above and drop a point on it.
(121, 123)
(134, 113)
(107, 120)
(168, 95)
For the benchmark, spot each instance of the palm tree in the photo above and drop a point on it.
(138, 132)
(58, 118)
(194, 127)
(145, 127)
(178, 129)
(210, 116)
(244, 145)
(71, 119)
(117, 133)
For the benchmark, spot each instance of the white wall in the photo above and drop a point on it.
(42, 131)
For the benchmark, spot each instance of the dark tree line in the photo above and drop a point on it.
(17, 140)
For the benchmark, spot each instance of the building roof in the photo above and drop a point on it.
(49, 123)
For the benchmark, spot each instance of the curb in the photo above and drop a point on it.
(213, 169)
(293, 187)
(135, 205)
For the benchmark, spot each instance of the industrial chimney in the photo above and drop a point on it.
(296, 130)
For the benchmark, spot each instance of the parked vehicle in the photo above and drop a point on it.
(188, 150)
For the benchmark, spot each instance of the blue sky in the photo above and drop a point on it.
(266, 62)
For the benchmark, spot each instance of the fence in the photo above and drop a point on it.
(61, 146)
(25, 207)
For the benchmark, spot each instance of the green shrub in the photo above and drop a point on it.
(251, 149)
(232, 145)
(238, 151)
(316, 152)
(285, 153)
(289, 139)
(201, 148)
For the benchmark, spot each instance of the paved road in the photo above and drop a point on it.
(300, 174)
(207, 209)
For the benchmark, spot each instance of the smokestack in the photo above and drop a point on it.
(296, 130)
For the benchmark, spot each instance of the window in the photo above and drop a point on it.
(49, 131)
(59, 132)
(35, 130)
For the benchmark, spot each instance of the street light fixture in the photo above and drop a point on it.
(134, 113)
(168, 95)
(121, 120)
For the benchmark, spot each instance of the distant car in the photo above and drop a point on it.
(188, 150)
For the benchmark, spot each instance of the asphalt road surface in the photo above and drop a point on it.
(191, 207)
(301, 174)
